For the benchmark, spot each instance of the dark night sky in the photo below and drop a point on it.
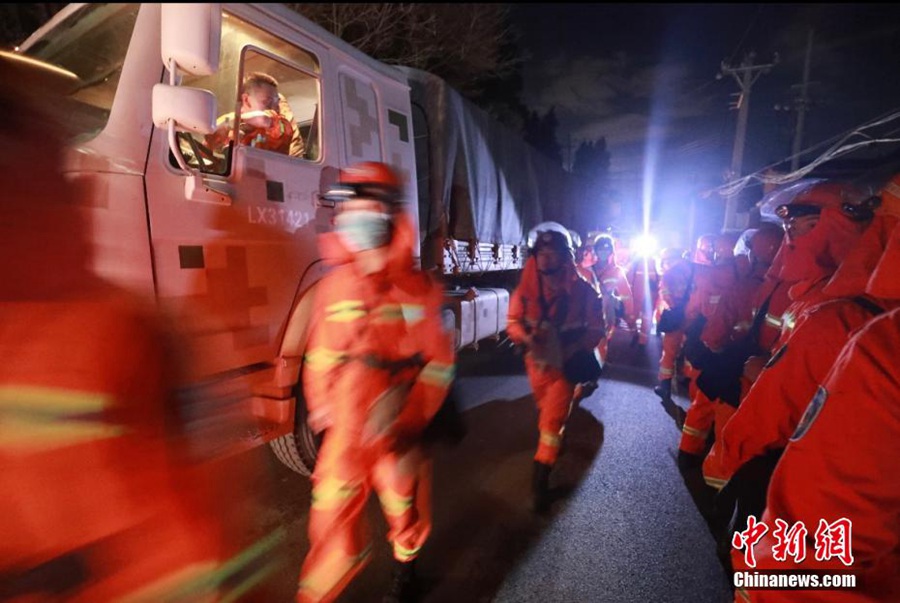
(644, 77)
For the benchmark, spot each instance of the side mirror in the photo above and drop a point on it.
(190, 109)
(191, 34)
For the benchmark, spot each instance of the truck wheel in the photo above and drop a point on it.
(299, 450)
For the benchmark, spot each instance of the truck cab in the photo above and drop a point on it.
(224, 239)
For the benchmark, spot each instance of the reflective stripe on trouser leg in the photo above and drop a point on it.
(338, 530)
(713, 473)
(403, 484)
(671, 343)
(697, 423)
(553, 395)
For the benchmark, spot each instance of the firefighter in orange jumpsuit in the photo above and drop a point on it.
(837, 475)
(102, 500)
(772, 408)
(644, 282)
(664, 260)
(820, 235)
(378, 367)
(553, 313)
(262, 123)
(614, 287)
(733, 325)
(804, 280)
(676, 280)
(714, 275)
(585, 260)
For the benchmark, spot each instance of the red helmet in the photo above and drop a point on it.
(668, 257)
(704, 252)
(765, 242)
(370, 179)
(723, 247)
(892, 188)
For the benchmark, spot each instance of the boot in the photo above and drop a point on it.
(664, 390)
(541, 487)
(403, 583)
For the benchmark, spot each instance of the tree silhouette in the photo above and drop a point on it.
(592, 160)
(540, 132)
(591, 167)
(468, 45)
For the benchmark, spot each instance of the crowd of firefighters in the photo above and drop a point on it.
(782, 339)
(784, 336)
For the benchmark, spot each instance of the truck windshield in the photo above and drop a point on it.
(90, 43)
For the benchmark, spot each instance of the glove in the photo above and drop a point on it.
(384, 412)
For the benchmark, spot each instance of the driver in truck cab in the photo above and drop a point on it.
(263, 123)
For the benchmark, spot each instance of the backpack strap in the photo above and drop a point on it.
(867, 304)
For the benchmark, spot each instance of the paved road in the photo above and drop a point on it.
(623, 527)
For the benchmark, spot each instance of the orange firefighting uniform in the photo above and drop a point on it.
(101, 500)
(371, 333)
(644, 282)
(673, 287)
(613, 286)
(806, 263)
(840, 463)
(590, 276)
(91, 476)
(731, 320)
(772, 408)
(276, 137)
(575, 307)
(711, 283)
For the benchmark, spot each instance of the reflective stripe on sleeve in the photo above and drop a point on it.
(439, 374)
(696, 433)
(345, 311)
(322, 359)
(773, 321)
(388, 313)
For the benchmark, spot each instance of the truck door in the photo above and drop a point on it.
(229, 259)
(376, 124)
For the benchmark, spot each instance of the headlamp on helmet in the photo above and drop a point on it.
(550, 234)
(604, 242)
(796, 210)
(850, 200)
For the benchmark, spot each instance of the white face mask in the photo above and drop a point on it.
(363, 229)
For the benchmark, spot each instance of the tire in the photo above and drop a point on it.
(298, 451)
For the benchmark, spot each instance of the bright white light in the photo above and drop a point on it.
(644, 245)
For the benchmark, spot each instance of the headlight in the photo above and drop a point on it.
(644, 245)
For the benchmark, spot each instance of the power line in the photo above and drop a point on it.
(746, 33)
(839, 146)
(745, 75)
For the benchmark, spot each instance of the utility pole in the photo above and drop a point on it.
(802, 106)
(745, 75)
